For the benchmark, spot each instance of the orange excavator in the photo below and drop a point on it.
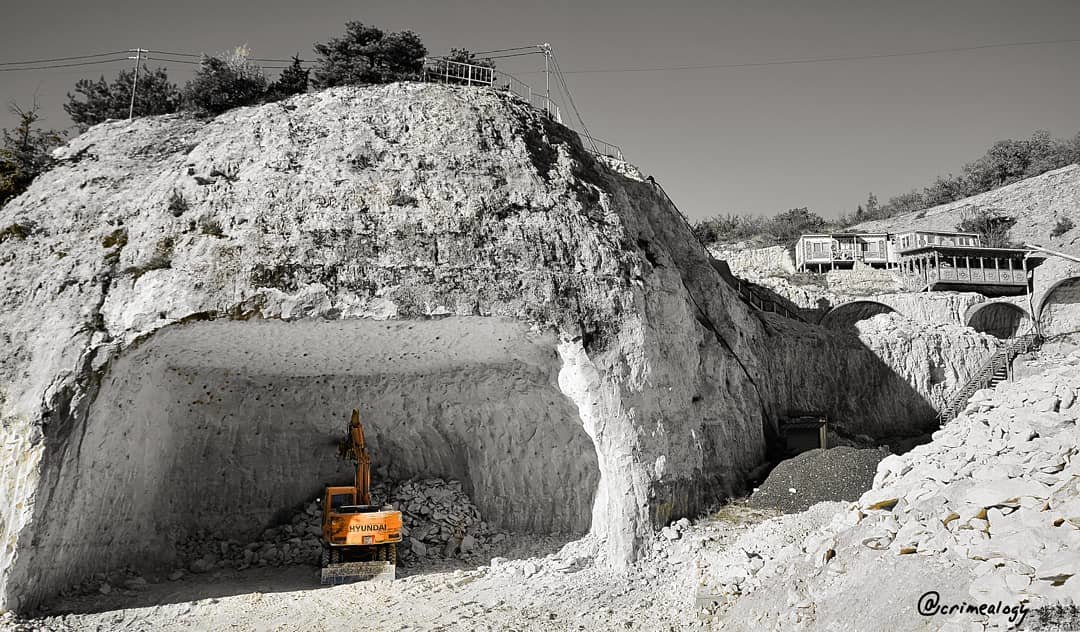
(359, 539)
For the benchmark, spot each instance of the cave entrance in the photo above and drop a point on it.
(228, 426)
(1001, 320)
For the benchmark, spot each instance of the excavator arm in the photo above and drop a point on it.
(358, 452)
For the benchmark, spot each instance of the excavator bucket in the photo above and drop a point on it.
(349, 572)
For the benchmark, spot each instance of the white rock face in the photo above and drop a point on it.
(935, 359)
(985, 513)
(196, 305)
(755, 263)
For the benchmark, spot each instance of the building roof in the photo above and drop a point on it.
(972, 251)
(844, 235)
(937, 232)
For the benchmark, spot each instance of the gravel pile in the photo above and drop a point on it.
(835, 474)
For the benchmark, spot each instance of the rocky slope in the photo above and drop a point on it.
(1037, 203)
(987, 513)
(191, 307)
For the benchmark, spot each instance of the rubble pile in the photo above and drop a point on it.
(995, 498)
(440, 521)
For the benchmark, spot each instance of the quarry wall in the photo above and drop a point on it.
(196, 305)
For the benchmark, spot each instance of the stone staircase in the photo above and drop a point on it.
(994, 370)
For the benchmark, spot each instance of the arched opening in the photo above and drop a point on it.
(1001, 320)
(843, 317)
(1059, 312)
(228, 426)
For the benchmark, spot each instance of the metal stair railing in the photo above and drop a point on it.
(987, 374)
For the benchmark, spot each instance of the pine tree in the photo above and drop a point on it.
(368, 55)
(293, 80)
(101, 100)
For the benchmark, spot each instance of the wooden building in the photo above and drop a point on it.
(838, 251)
(989, 271)
(818, 253)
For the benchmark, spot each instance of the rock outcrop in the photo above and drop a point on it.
(934, 359)
(987, 513)
(192, 307)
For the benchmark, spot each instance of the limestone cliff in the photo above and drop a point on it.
(934, 359)
(190, 308)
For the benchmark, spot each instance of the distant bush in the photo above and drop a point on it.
(992, 226)
(225, 82)
(178, 205)
(210, 226)
(784, 228)
(25, 152)
(1063, 226)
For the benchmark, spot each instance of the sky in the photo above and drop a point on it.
(754, 139)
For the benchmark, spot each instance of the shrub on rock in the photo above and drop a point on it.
(226, 82)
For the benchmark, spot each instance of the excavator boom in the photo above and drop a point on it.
(359, 452)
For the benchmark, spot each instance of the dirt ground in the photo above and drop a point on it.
(544, 588)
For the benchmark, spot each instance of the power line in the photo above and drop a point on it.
(818, 60)
(85, 63)
(535, 52)
(176, 54)
(778, 62)
(505, 50)
(47, 61)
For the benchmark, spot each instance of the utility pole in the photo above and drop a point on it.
(135, 81)
(546, 48)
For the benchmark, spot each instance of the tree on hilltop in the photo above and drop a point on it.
(96, 101)
(225, 82)
(365, 55)
(293, 80)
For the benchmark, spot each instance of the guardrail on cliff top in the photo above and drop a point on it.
(445, 71)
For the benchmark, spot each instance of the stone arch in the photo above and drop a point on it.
(845, 315)
(1000, 319)
(1059, 309)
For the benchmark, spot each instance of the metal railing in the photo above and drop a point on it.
(445, 71)
(992, 371)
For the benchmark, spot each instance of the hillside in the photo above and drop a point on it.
(1037, 204)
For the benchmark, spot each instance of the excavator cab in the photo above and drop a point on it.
(359, 539)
